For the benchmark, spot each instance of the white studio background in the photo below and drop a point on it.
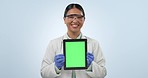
(26, 27)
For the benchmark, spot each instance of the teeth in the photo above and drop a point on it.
(75, 25)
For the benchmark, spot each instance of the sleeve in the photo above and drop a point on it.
(98, 69)
(48, 69)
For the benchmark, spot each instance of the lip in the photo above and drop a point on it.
(74, 26)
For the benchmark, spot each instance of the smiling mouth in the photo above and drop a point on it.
(74, 26)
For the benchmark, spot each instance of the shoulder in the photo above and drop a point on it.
(54, 43)
(91, 40)
(56, 40)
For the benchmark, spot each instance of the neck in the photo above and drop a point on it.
(73, 35)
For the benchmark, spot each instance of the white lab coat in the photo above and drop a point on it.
(49, 70)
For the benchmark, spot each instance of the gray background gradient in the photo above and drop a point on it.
(27, 26)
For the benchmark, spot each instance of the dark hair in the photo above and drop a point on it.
(70, 6)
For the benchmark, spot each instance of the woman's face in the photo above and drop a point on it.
(74, 20)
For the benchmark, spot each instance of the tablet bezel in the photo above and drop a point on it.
(64, 50)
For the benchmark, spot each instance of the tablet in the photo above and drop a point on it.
(75, 51)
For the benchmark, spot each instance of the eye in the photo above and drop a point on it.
(70, 16)
(79, 17)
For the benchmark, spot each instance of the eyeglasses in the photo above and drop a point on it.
(75, 16)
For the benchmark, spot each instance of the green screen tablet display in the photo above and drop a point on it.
(75, 53)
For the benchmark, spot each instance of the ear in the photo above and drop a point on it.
(84, 19)
(64, 20)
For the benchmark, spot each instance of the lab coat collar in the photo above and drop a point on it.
(81, 36)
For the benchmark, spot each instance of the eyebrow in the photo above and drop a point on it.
(74, 15)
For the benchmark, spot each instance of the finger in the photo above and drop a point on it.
(59, 57)
(60, 60)
(89, 53)
(62, 63)
(87, 60)
(91, 56)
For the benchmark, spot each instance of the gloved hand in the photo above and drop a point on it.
(59, 61)
(90, 58)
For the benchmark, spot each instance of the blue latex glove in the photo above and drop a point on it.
(90, 58)
(59, 61)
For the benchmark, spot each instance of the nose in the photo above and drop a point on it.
(75, 18)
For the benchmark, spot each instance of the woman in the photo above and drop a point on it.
(53, 62)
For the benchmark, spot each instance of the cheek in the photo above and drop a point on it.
(66, 22)
(82, 23)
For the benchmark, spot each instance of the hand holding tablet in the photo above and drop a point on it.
(90, 58)
(59, 61)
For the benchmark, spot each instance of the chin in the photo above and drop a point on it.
(75, 31)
